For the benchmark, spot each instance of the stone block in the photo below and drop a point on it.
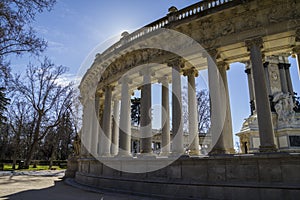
(192, 170)
(96, 168)
(214, 192)
(85, 167)
(241, 172)
(269, 170)
(216, 171)
(161, 174)
(267, 193)
(174, 171)
(290, 170)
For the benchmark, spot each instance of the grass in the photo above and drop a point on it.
(8, 167)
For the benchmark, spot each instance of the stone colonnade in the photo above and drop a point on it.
(115, 139)
(114, 136)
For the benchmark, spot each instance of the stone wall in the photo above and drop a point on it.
(261, 176)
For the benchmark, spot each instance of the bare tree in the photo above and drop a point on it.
(136, 110)
(19, 114)
(49, 99)
(203, 110)
(16, 34)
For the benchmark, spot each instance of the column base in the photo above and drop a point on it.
(177, 154)
(123, 154)
(216, 151)
(268, 149)
(164, 154)
(194, 153)
(106, 155)
(146, 155)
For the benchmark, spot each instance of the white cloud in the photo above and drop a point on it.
(69, 78)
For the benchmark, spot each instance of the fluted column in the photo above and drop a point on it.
(165, 118)
(125, 120)
(250, 87)
(146, 126)
(262, 101)
(115, 128)
(283, 77)
(192, 112)
(177, 120)
(106, 139)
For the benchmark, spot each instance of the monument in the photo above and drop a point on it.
(208, 35)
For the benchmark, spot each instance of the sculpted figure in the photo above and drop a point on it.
(284, 106)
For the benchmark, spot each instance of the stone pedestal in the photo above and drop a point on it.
(72, 167)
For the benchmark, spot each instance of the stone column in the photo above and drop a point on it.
(226, 135)
(89, 123)
(298, 62)
(100, 131)
(165, 118)
(115, 128)
(250, 88)
(266, 64)
(217, 114)
(106, 139)
(192, 112)
(177, 118)
(125, 120)
(84, 131)
(288, 78)
(95, 126)
(283, 77)
(296, 50)
(146, 112)
(264, 116)
(221, 116)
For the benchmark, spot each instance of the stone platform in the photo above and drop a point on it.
(259, 176)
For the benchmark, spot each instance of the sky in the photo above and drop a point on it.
(74, 28)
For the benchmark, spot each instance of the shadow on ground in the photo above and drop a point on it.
(59, 191)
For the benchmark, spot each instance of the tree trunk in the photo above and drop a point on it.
(52, 158)
(35, 141)
(30, 154)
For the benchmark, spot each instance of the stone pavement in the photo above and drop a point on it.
(49, 185)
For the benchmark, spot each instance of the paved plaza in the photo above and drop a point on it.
(49, 185)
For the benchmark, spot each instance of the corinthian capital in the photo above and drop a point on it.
(254, 42)
(176, 63)
(192, 71)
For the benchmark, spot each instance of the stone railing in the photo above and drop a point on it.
(184, 13)
(201, 8)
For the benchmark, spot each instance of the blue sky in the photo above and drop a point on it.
(75, 27)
